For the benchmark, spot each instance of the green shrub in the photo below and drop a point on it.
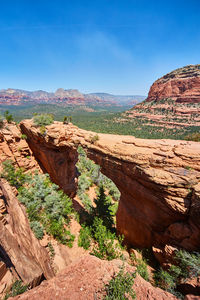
(120, 287)
(193, 137)
(51, 249)
(43, 130)
(94, 138)
(189, 263)
(84, 238)
(1, 121)
(8, 116)
(107, 245)
(16, 289)
(187, 266)
(49, 206)
(67, 119)
(37, 229)
(141, 268)
(165, 280)
(15, 177)
(84, 182)
(43, 119)
(24, 137)
(86, 202)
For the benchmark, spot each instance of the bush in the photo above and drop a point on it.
(49, 206)
(43, 119)
(120, 287)
(94, 138)
(193, 137)
(37, 229)
(8, 116)
(1, 121)
(188, 266)
(84, 238)
(16, 289)
(86, 202)
(15, 177)
(142, 269)
(189, 263)
(24, 137)
(165, 280)
(67, 119)
(51, 249)
(43, 130)
(107, 246)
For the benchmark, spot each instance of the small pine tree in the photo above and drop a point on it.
(103, 208)
(8, 116)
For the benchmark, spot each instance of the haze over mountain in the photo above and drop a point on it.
(61, 96)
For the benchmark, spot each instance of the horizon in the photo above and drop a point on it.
(37, 90)
(96, 47)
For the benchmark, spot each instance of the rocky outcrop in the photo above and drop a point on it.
(173, 100)
(20, 250)
(21, 254)
(182, 85)
(86, 280)
(13, 147)
(158, 180)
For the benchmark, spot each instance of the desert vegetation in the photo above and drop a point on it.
(50, 212)
(48, 208)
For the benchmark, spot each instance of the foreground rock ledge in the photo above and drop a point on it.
(158, 179)
(86, 279)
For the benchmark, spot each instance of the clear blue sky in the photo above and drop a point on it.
(113, 46)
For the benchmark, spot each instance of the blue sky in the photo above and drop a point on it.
(113, 46)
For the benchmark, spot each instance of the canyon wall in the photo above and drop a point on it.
(21, 254)
(158, 180)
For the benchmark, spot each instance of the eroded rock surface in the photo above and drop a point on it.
(20, 250)
(13, 147)
(173, 100)
(182, 85)
(158, 180)
(85, 280)
(21, 255)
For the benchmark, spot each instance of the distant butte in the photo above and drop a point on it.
(64, 97)
(173, 100)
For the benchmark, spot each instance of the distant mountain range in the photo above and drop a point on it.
(65, 97)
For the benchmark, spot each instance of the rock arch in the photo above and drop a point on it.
(158, 179)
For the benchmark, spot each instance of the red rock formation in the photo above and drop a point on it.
(14, 148)
(21, 254)
(173, 100)
(20, 248)
(182, 85)
(86, 279)
(158, 180)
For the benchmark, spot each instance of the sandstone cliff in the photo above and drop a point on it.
(21, 254)
(182, 85)
(173, 100)
(158, 180)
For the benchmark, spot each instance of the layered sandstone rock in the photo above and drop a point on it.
(13, 147)
(86, 279)
(182, 85)
(173, 100)
(21, 255)
(158, 180)
(20, 250)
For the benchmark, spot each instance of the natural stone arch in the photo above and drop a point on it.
(158, 179)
